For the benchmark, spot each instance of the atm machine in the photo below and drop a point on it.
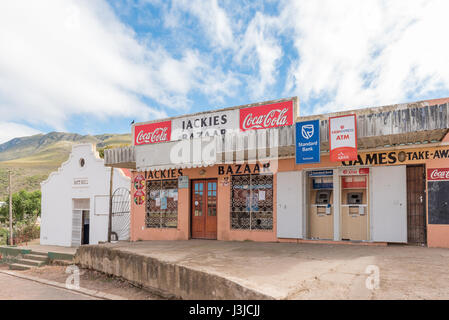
(320, 208)
(354, 207)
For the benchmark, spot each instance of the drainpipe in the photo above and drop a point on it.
(110, 204)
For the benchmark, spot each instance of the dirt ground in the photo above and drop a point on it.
(93, 280)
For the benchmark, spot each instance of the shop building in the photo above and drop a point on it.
(232, 174)
(75, 200)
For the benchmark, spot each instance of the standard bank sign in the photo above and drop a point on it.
(308, 142)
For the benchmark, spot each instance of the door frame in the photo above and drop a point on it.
(425, 204)
(191, 189)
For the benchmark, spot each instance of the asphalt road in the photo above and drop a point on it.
(12, 288)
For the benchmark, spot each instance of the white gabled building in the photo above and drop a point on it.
(75, 199)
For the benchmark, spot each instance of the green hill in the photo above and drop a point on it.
(31, 159)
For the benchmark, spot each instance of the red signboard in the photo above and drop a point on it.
(438, 174)
(267, 116)
(354, 171)
(343, 138)
(152, 133)
(139, 182)
(139, 197)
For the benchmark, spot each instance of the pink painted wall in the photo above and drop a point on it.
(437, 235)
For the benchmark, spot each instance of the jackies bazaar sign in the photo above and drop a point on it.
(216, 123)
(438, 174)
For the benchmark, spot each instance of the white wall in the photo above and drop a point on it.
(59, 190)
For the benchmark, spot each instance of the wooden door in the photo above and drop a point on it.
(204, 209)
(416, 205)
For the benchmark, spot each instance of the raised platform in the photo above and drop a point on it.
(208, 269)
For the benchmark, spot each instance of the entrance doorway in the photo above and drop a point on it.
(204, 209)
(80, 222)
(85, 230)
(416, 205)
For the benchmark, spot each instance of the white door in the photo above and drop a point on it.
(290, 213)
(76, 227)
(389, 203)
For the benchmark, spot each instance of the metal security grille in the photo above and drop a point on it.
(252, 202)
(416, 205)
(121, 213)
(162, 204)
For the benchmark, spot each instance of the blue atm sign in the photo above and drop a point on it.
(308, 142)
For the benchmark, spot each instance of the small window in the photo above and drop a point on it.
(82, 162)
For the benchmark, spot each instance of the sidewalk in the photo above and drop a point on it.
(201, 268)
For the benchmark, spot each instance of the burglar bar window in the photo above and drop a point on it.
(252, 202)
(162, 204)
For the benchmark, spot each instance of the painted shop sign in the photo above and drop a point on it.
(152, 133)
(399, 157)
(343, 138)
(243, 169)
(266, 116)
(208, 124)
(139, 197)
(441, 174)
(139, 182)
(163, 174)
(80, 181)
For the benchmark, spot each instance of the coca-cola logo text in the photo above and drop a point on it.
(268, 116)
(152, 133)
(438, 174)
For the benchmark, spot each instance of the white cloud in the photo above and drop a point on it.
(61, 58)
(10, 130)
(213, 19)
(359, 53)
(260, 48)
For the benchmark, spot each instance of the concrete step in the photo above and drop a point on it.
(33, 263)
(18, 266)
(37, 257)
(39, 253)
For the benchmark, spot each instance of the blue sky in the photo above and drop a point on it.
(93, 66)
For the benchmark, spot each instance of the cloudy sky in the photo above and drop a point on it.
(93, 66)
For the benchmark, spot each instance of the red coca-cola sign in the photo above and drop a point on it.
(152, 133)
(438, 174)
(267, 116)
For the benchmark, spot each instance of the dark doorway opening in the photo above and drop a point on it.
(85, 227)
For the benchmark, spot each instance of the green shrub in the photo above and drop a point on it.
(3, 236)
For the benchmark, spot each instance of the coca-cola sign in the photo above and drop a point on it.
(152, 133)
(267, 116)
(438, 174)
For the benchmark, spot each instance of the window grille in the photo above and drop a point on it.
(252, 202)
(162, 204)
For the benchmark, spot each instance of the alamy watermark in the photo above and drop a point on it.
(73, 280)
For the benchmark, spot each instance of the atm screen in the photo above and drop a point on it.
(355, 197)
(323, 197)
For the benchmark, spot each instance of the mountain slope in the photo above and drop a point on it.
(31, 159)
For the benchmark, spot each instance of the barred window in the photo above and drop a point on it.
(252, 202)
(162, 204)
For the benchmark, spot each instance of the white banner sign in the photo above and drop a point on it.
(343, 138)
(208, 124)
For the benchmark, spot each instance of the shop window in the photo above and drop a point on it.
(162, 204)
(252, 202)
